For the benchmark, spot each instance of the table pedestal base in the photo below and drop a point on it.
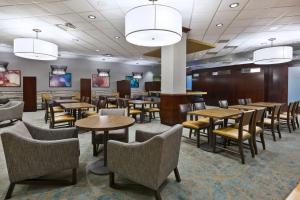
(98, 168)
(207, 147)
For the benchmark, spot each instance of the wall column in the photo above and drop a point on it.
(173, 81)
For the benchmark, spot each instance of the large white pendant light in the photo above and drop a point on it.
(34, 48)
(273, 55)
(153, 25)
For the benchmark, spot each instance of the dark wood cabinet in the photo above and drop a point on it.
(123, 88)
(29, 94)
(85, 88)
(152, 86)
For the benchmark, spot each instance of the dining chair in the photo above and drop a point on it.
(248, 101)
(56, 109)
(242, 101)
(63, 120)
(119, 135)
(199, 106)
(223, 104)
(153, 109)
(296, 113)
(273, 122)
(131, 111)
(258, 129)
(288, 118)
(101, 104)
(192, 125)
(237, 133)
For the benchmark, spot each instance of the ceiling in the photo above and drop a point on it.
(245, 28)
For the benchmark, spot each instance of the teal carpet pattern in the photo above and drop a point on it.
(270, 176)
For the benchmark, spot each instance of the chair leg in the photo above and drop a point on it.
(214, 142)
(111, 179)
(254, 144)
(157, 195)
(190, 134)
(177, 176)
(262, 138)
(297, 122)
(251, 147)
(95, 153)
(289, 126)
(278, 129)
(294, 124)
(198, 138)
(74, 176)
(10, 191)
(273, 134)
(241, 149)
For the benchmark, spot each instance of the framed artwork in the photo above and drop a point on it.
(100, 81)
(64, 80)
(10, 78)
(134, 83)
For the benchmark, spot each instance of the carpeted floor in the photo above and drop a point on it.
(271, 175)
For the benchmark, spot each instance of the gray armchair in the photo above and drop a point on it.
(13, 110)
(32, 152)
(149, 161)
(120, 135)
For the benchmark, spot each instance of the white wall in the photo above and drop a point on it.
(80, 68)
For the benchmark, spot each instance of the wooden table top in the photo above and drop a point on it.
(266, 104)
(295, 194)
(77, 105)
(219, 113)
(59, 101)
(141, 102)
(104, 123)
(246, 107)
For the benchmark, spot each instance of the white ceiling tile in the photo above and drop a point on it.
(79, 5)
(55, 8)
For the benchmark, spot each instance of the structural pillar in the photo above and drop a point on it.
(173, 81)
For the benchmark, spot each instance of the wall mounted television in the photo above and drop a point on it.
(10, 78)
(64, 80)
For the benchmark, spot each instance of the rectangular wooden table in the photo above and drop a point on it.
(214, 113)
(266, 104)
(77, 107)
(246, 107)
(142, 103)
(63, 101)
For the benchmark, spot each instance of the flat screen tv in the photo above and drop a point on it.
(189, 82)
(100, 81)
(134, 83)
(64, 80)
(10, 78)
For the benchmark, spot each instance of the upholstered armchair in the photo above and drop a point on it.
(32, 152)
(149, 161)
(13, 110)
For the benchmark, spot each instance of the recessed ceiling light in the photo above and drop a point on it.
(117, 37)
(97, 50)
(137, 63)
(92, 16)
(219, 25)
(234, 5)
(108, 55)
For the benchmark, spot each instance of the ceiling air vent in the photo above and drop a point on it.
(223, 41)
(66, 27)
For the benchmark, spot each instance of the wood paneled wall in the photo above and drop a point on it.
(152, 86)
(271, 84)
(123, 88)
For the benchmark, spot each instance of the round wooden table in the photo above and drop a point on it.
(105, 124)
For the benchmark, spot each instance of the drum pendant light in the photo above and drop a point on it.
(153, 25)
(35, 49)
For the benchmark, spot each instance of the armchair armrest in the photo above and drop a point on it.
(142, 136)
(51, 134)
(29, 158)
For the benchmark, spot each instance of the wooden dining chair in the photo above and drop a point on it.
(56, 109)
(296, 113)
(273, 122)
(288, 118)
(223, 104)
(237, 133)
(193, 125)
(248, 101)
(242, 101)
(134, 112)
(153, 109)
(258, 129)
(63, 120)
(199, 106)
(101, 104)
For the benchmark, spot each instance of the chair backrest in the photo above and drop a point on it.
(291, 109)
(242, 101)
(258, 118)
(199, 106)
(245, 120)
(275, 113)
(185, 108)
(101, 104)
(223, 104)
(296, 107)
(115, 111)
(87, 100)
(248, 100)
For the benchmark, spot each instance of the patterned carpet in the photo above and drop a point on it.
(271, 175)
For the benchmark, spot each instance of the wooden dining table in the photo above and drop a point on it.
(76, 108)
(212, 114)
(266, 104)
(246, 107)
(142, 103)
(105, 124)
(60, 101)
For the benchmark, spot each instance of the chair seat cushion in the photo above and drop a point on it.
(268, 121)
(56, 109)
(64, 118)
(135, 111)
(153, 110)
(195, 124)
(232, 132)
(284, 116)
(19, 129)
(111, 105)
(258, 130)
